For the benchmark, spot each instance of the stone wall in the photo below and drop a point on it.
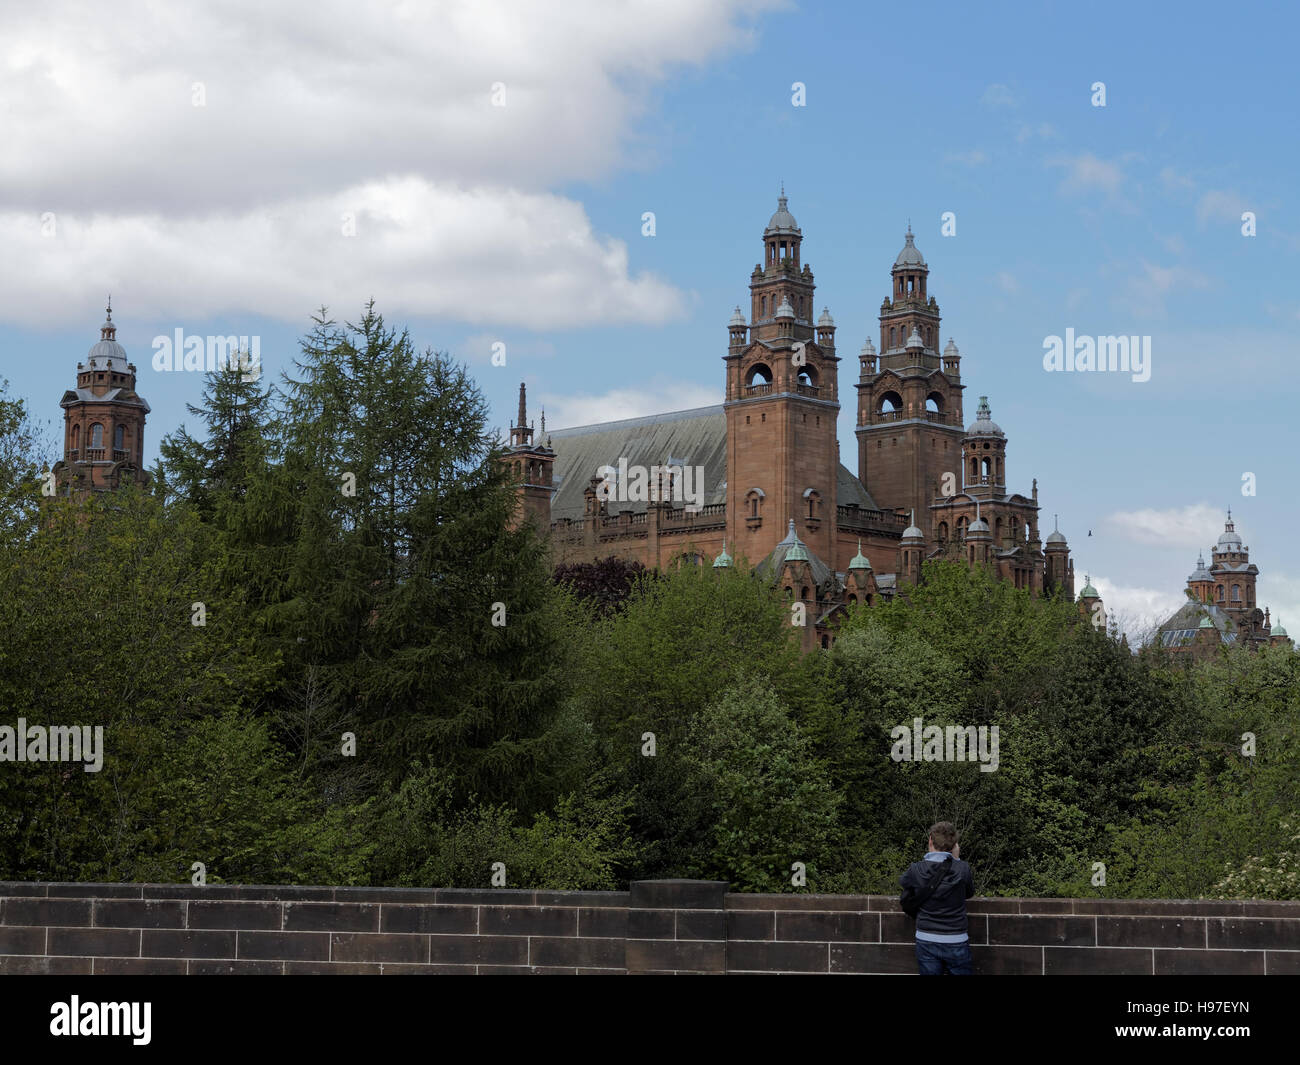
(660, 926)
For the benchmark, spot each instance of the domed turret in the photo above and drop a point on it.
(910, 255)
(782, 221)
(912, 532)
(1201, 573)
(107, 353)
(860, 561)
(1229, 541)
(984, 425)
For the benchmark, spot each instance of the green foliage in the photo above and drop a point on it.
(421, 838)
(350, 539)
(767, 801)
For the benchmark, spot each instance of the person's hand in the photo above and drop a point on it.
(956, 850)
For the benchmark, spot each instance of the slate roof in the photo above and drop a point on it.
(1181, 627)
(696, 437)
(113, 395)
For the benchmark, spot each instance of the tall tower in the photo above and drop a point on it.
(1058, 570)
(1201, 583)
(103, 421)
(1234, 574)
(909, 426)
(532, 466)
(781, 406)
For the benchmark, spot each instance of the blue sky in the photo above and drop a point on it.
(522, 223)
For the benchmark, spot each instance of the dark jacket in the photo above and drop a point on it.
(944, 913)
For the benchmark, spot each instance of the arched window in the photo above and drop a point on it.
(789, 592)
(763, 304)
(97, 435)
(803, 592)
(1236, 593)
(753, 507)
(1219, 592)
(826, 643)
(759, 374)
(852, 598)
(986, 467)
(119, 437)
(76, 437)
(893, 340)
(943, 531)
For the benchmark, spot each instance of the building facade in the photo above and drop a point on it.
(1220, 609)
(103, 421)
(758, 477)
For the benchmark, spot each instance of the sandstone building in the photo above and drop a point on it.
(1220, 608)
(763, 469)
(103, 421)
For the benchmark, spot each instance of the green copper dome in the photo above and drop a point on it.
(723, 560)
(1089, 592)
(1278, 630)
(860, 561)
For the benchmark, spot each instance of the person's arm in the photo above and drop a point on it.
(909, 888)
(970, 881)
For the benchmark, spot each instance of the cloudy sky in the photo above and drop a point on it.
(482, 170)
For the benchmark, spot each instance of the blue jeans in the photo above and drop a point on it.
(934, 959)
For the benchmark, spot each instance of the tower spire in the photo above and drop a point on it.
(523, 406)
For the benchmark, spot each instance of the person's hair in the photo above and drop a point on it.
(944, 835)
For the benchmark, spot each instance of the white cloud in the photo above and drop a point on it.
(998, 95)
(1136, 610)
(480, 256)
(975, 157)
(1028, 131)
(1144, 294)
(1173, 181)
(1087, 173)
(566, 412)
(1218, 205)
(314, 109)
(1192, 527)
(1281, 594)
